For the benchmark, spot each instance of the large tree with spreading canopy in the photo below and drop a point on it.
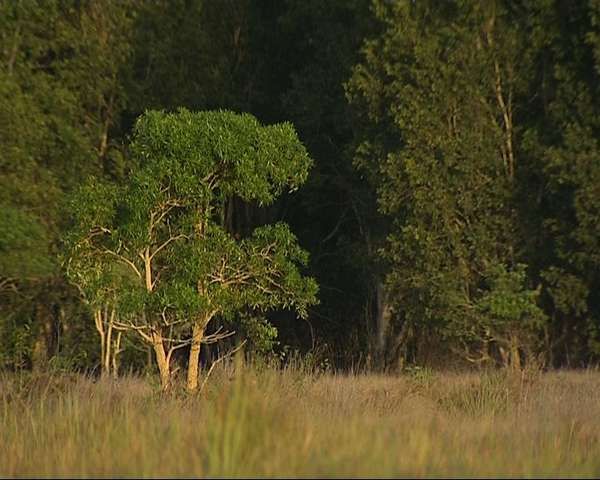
(156, 249)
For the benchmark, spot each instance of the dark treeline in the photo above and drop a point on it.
(452, 211)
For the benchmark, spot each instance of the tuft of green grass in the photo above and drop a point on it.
(272, 422)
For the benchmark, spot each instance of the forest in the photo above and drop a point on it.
(391, 187)
(437, 166)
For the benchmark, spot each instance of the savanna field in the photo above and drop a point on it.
(299, 238)
(261, 421)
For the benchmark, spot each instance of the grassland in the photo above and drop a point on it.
(267, 422)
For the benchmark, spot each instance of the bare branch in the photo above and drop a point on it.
(219, 360)
(171, 323)
(339, 223)
(8, 283)
(176, 347)
(163, 209)
(140, 329)
(125, 260)
(506, 116)
(166, 243)
(217, 336)
(178, 341)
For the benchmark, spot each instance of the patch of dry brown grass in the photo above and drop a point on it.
(289, 423)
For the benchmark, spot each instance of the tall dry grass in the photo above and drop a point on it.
(267, 422)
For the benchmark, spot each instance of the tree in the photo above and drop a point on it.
(440, 85)
(561, 195)
(179, 267)
(60, 97)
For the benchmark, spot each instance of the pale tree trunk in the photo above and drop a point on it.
(108, 353)
(194, 357)
(161, 360)
(99, 323)
(115, 354)
(104, 320)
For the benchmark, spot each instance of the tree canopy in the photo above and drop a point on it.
(161, 239)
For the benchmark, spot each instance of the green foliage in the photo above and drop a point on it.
(481, 139)
(23, 245)
(230, 153)
(261, 335)
(568, 292)
(60, 99)
(447, 181)
(508, 300)
(16, 339)
(562, 196)
(155, 247)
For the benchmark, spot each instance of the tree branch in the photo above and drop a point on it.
(217, 336)
(137, 328)
(217, 361)
(125, 260)
(176, 347)
(166, 243)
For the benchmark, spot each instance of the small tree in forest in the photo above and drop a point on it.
(160, 238)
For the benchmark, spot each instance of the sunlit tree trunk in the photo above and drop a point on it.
(115, 355)
(104, 320)
(100, 329)
(194, 357)
(161, 360)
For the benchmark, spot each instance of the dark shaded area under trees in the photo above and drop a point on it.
(451, 214)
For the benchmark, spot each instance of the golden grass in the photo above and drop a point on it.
(265, 422)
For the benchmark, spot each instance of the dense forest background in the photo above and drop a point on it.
(452, 213)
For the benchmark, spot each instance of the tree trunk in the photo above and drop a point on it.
(192, 373)
(100, 329)
(511, 357)
(115, 354)
(44, 347)
(161, 360)
(109, 342)
(515, 356)
(383, 320)
(109, 346)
